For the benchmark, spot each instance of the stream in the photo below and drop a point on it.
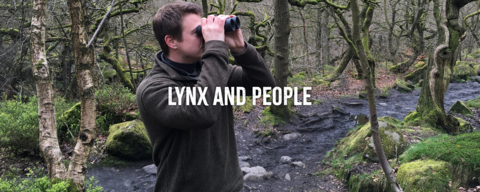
(315, 131)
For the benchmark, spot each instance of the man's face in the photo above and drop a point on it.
(191, 46)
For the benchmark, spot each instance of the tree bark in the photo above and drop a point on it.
(84, 63)
(281, 60)
(361, 46)
(46, 104)
(440, 67)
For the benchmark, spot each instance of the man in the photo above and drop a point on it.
(194, 146)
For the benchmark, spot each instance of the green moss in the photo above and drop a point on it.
(463, 69)
(428, 175)
(129, 140)
(460, 107)
(475, 103)
(269, 118)
(112, 161)
(109, 73)
(403, 86)
(419, 65)
(412, 116)
(297, 79)
(369, 182)
(392, 139)
(457, 150)
(320, 82)
(416, 75)
(247, 107)
(474, 55)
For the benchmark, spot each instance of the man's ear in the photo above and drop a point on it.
(171, 42)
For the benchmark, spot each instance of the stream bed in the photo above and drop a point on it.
(315, 130)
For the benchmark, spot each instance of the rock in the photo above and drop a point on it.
(463, 69)
(340, 109)
(392, 141)
(291, 136)
(256, 170)
(416, 75)
(129, 140)
(287, 177)
(321, 125)
(461, 108)
(380, 93)
(243, 164)
(383, 104)
(257, 177)
(331, 177)
(403, 86)
(355, 142)
(244, 158)
(476, 78)
(424, 175)
(285, 159)
(255, 173)
(299, 164)
(150, 169)
(352, 103)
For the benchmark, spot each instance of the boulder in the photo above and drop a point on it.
(403, 86)
(360, 139)
(416, 75)
(463, 69)
(255, 173)
(393, 142)
(285, 159)
(129, 140)
(424, 175)
(291, 136)
(476, 78)
(460, 107)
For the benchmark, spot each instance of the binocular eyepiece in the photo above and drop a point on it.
(231, 24)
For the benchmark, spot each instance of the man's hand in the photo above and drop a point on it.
(213, 28)
(235, 41)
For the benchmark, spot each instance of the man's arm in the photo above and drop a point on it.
(253, 71)
(154, 98)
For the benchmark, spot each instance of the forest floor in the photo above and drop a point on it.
(261, 144)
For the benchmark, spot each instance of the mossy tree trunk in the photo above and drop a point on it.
(281, 59)
(361, 45)
(46, 104)
(440, 67)
(84, 63)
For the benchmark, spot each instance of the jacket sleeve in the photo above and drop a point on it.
(155, 98)
(251, 72)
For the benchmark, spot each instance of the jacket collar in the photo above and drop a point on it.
(159, 66)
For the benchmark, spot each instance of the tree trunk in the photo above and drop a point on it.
(347, 57)
(361, 46)
(440, 67)
(281, 60)
(84, 63)
(46, 105)
(318, 39)
(325, 39)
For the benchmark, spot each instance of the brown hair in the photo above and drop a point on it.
(168, 21)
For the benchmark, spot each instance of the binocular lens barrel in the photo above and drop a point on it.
(231, 24)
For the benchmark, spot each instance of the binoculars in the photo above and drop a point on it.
(231, 24)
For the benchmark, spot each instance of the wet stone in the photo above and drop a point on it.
(383, 104)
(150, 169)
(291, 136)
(299, 164)
(287, 177)
(325, 124)
(244, 158)
(243, 164)
(285, 159)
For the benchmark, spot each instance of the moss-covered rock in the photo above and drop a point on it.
(463, 69)
(460, 151)
(129, 140)
(403, 86)
(416, 75)
(320, 82)
(360, 140)
(428, 175)
(247, 107)
(474, 55)
(460, 107)
(393, 142)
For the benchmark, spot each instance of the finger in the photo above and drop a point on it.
(204, 21)
(210, 19)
